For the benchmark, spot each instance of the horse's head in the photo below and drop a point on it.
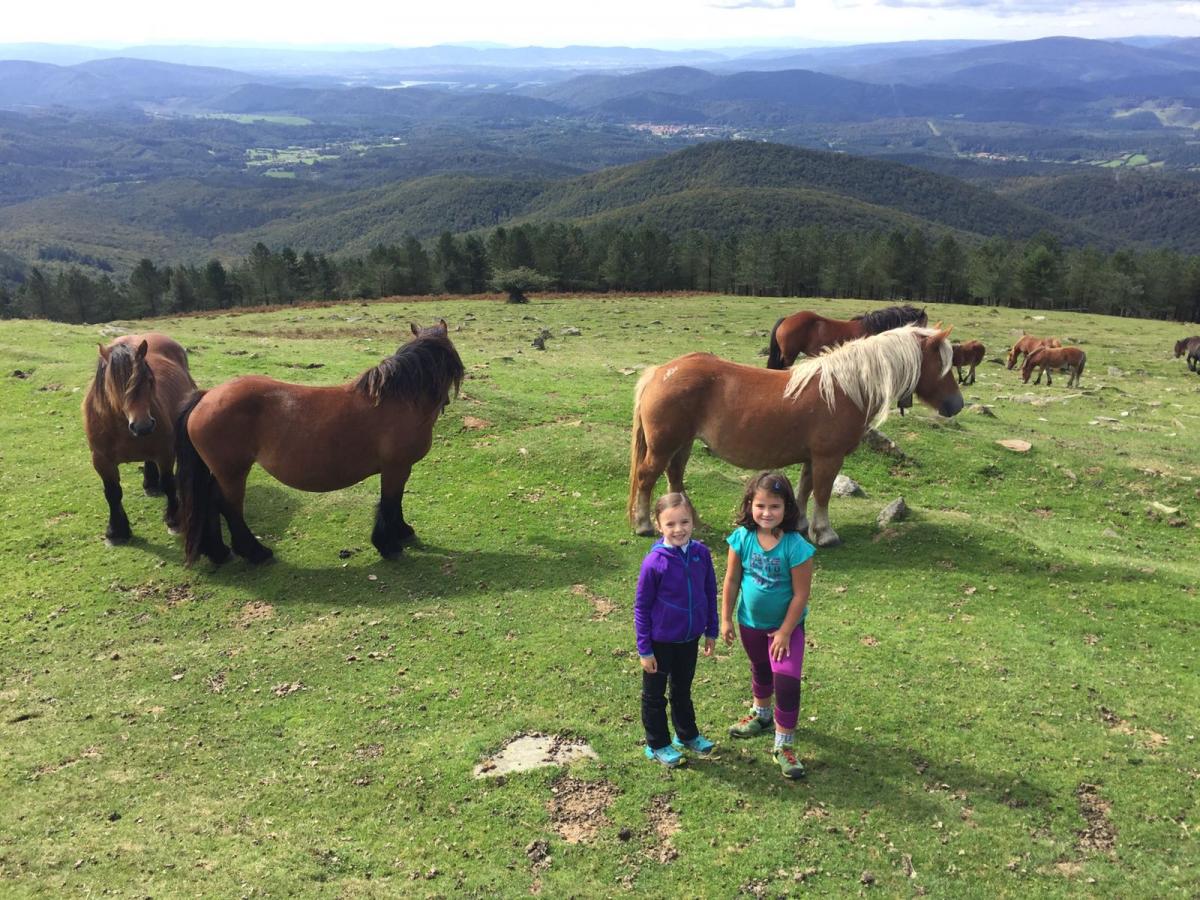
(937, 386)
(1180, 347)
(129, 385)
(1031, 363)
(437, 328)
(922, 320)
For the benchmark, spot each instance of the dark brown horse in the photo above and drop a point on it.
(141, 383)
(1026, 344)
(1190, 346)
(806, 333)
(968, 355)
(313, 439)
(814, 414)
(1047, 359)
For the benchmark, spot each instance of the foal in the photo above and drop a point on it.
(967, 354)
(1048, 359)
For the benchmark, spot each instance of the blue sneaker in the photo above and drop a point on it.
(668, 756)
(699, 744)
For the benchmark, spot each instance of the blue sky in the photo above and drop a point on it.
(654, 23)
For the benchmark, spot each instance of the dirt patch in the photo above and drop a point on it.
(474, 424)
(664, 824)
(1098, 833)
(577, 809)
(171, 594)
(533, 751)
(869, 641)
(255, 611)
(601, 606)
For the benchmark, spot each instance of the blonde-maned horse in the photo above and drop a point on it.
(1047, 359)
(815, 413)
(141, 382)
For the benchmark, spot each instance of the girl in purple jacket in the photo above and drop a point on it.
(676, 603)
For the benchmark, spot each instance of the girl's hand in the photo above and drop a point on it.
(649, 664)
(727, 632)
(781, 645)
(709, 643)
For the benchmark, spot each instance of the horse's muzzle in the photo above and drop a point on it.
(951, 406)
(138, 429)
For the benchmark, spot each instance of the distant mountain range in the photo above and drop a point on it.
(135, 155)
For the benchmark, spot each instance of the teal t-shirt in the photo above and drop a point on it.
(766, 590)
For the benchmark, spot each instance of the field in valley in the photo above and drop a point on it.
(1000, 692)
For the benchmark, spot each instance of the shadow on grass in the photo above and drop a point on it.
(858, 775)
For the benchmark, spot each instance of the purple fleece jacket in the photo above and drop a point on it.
(676, 596)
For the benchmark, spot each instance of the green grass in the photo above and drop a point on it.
(250, 119)
(1020, 652)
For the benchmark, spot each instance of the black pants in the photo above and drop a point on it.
(676, 666)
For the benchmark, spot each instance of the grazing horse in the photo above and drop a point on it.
(968, 354)
(1190, 346)
(1026, 344)
(1047, 359)
(313, 439)
(141, 383)
(808, 333)
(814, 414)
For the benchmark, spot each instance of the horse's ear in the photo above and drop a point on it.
(142, 350)
(105, 352)
(445, 327)
(415, 329)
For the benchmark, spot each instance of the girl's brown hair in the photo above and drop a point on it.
(773, 483)
(670, 501)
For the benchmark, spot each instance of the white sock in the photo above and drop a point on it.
(783, 740)
(764, 712)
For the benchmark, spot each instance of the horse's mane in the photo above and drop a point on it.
(891, 317)
(424, 369)
(874, 372)
(114, 379)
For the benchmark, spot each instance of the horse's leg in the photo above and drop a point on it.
(151, 479)
(649, 470)
(1049, 376)
(824, 471)
(803, 489)
(391, 532)
(676, 467)
(971, 376)
(233, 497)
(166, 473)
(117, 531)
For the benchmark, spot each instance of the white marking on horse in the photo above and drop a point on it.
(671, 371)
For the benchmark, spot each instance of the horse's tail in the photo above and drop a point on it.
(1082, 361)
(637, 442)
(198, 490)
(775, 355)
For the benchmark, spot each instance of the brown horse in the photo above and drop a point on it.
(1047, 359)
(1190, 346)
(808, 333)
(313, 439)
(141, 383)
(814, 414)
(1026, 344)
(968, 355)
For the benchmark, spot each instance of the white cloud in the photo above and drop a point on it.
(754, 4)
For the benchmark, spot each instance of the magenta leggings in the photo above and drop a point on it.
(780, 678)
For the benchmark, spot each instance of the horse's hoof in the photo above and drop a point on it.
(408, 539)
(260, 555)
(153, 492)
(174, 529)
(827, 542)
(645, 531)
(116, 540)
(392, 555)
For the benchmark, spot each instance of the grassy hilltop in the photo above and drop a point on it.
(1000, 693)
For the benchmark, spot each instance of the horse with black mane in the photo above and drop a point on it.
(141, 383)
(815, 413)
(313, 439)
(1190, 346)
(807, 333)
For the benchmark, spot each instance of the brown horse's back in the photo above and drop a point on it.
(309, 438)
(968, 353)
